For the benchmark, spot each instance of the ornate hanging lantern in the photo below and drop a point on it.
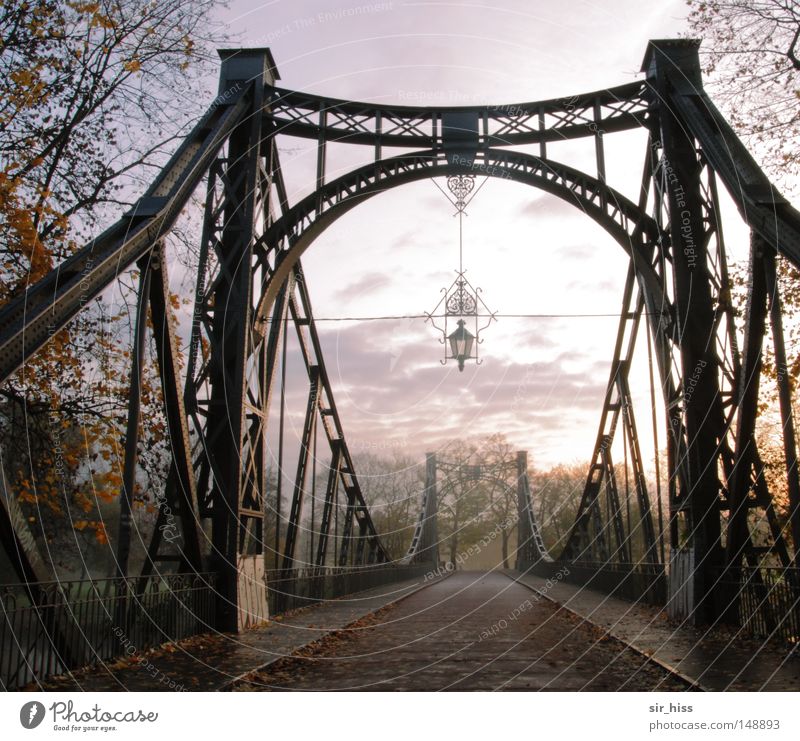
(461, 301)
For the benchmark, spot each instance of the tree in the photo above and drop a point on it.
(498, 465)
(752, 59)
(463, 499)
(392, 487)
(751, 56)
(556, 495)
(89, 90)
(91, 96)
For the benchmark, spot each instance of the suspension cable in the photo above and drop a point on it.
(461, 241)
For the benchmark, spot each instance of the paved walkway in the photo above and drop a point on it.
(467, 631)
(212, 662)
(473, 631)
(723, 660)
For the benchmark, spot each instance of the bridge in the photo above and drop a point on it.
(719, 556)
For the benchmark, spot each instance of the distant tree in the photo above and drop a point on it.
(556, 494)
(463, 499)
(392, 487)
(498, 462)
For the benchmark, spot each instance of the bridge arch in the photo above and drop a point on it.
(298, 227)
(635, 231)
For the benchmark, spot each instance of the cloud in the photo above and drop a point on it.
(578, 251)
(546, 205)
(365, 285)
(606, 285)
(387, 378)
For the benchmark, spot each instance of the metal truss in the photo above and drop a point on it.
(250, 288)
(531, 549)
(600, 532)
(327, 119)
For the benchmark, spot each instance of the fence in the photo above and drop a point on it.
(760, 602)
(763, 602)
(635, 582)
(301, 587)
(72, 624)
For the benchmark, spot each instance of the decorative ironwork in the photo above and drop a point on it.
(461, 301)
(461, 186)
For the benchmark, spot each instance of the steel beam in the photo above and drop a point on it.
(669, 67)
(738, 534)
(430, 542)
(230, 335)
(132, 427)
(347, 526)
(587, 539)
(295, 513)
(290, 235)
(295, 113)
(181, 491)
(334, 473)
(19, 542)
(29, 321)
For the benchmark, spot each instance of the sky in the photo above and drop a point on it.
(542, 380)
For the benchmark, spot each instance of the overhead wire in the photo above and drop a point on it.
(393, 317)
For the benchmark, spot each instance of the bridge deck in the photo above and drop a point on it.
(472, 631)
(468, 631)
(719, 660)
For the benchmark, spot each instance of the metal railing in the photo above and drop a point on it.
(763, 602)
(73, 624)
(634, 582)
(301, 587)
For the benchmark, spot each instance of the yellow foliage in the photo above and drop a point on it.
(88, 8)
(100, 534)
(101, 21)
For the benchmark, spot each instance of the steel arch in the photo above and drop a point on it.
(294, 232)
